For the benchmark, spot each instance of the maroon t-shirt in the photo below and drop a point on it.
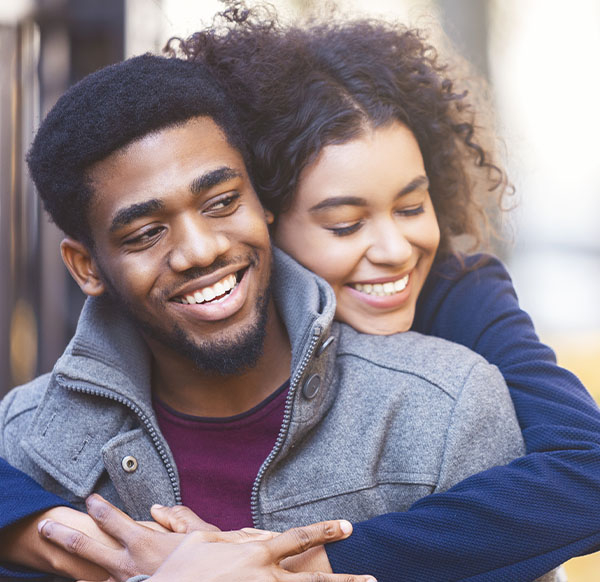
(218, 458)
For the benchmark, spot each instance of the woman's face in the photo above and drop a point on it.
(363, 220)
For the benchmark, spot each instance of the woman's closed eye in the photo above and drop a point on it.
(345, 229)
(412, 211)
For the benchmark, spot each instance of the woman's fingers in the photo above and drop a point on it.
(110, 519)
(299, 539)
(180, 519)
(76, 543)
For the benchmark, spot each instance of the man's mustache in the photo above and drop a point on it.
(219, 263)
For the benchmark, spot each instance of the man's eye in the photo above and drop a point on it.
(145, 237)
(345, 230)
(225, 205)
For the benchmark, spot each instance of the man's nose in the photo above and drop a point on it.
(389, 244)
(196, 243)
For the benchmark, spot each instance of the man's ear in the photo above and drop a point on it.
(82, 266)
(270, 217)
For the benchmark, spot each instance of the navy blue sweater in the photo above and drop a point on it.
(508, 523)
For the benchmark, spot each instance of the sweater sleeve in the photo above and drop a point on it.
(20, 497)
(513, 522)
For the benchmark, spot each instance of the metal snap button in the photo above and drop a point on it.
(311, 386)
(129, 464)
(325, 345)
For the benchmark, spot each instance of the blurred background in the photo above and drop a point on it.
(540, 58)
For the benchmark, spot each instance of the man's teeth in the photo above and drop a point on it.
(382, 289)
(209, 293)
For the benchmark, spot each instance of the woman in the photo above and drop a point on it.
(354, 96)
(361, 142)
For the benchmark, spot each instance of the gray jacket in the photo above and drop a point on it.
(371, 424)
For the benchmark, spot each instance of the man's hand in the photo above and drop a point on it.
(256, 561)
(214, 555)
(182, 519)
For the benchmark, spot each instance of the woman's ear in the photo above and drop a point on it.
(82, 266)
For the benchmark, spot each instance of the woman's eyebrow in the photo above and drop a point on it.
(420, 182)
(338, 201)
(414, 184)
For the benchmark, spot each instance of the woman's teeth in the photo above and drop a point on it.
(220, 288)
(382, 289)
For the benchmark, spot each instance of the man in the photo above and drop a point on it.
(142, 166)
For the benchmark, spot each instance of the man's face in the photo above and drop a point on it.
(181, 243)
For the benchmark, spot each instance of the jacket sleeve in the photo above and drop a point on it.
(512, 522)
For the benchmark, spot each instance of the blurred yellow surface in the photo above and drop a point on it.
(581, 354)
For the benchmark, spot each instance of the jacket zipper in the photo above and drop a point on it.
(147, 424)
(287, 417)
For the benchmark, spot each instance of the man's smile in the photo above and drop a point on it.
(218, 301)
(216, 292)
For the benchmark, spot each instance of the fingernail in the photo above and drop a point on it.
(371, 580)
(41, 526)
(346, 527)
(157, 506)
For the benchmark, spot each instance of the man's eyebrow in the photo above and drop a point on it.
(338, 201)
(128, 214)
(213, 178)
(415, 184)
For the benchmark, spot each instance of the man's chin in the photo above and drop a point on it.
(227, 357)
(235, 351)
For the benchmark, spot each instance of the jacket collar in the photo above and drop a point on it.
(305, 302)
(107, 353)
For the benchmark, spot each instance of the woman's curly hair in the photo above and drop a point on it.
(301, 88)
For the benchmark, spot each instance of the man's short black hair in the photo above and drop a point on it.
(108, 110)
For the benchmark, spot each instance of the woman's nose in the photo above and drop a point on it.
(389, 245)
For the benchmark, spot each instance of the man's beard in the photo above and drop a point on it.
(224, 356)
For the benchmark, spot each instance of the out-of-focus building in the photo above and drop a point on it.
(46, 45)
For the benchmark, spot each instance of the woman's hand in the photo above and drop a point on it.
(129, 547)
(21, 544)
